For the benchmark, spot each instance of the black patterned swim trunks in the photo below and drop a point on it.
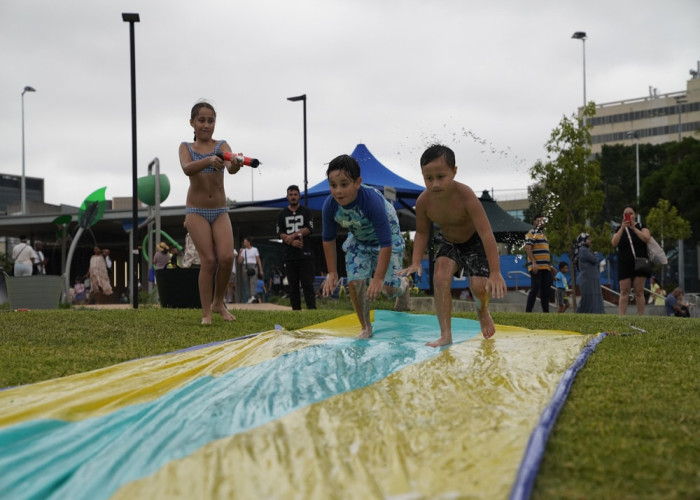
(469, 255)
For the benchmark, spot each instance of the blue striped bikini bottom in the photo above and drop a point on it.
(211, 214)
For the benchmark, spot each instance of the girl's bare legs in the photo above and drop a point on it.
(625, 286)
(358, 296)
(442, 281)
(223, 241)
(203, 236)
(639, 294)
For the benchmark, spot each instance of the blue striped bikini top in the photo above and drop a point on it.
(198, 156)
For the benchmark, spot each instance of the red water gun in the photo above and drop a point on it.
(228, 156)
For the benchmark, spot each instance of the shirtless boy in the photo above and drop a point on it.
(466, 241)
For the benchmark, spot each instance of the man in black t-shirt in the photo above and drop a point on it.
(294, 225)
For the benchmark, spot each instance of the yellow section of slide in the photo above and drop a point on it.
(454, 426)
(103, 391)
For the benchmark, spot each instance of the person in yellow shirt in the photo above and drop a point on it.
(537, 249)
(658, 294)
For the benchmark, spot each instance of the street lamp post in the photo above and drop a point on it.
(680, 101)
(581, 35)
(23, 187)
(133, 289)
(635, 135)
(306, 183)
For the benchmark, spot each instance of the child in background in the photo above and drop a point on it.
(261, 291)
(374, 246)
(466, 241)
(79, 291)
(562, 286)
(658, 295)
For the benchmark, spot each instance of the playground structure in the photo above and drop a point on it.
(153, 189)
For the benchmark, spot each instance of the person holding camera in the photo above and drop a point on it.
(252, 267)
(631, 242)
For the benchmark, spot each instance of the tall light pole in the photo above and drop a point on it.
(581, 35)
(306, 182)
(131, 19)
(635, 135)
(680, 101)
(23, 187)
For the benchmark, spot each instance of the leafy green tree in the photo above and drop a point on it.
(570, 179)
(6, 263)
(408, 251)
(571, 183)
(669, 171)
(678, 181)
(666, 224)
(538, 199)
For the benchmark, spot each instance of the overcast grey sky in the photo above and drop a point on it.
(489, 79)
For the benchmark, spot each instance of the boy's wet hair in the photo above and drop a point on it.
(346, 164)
(436, 151)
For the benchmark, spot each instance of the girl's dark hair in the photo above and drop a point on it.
(346, 164)
(629, 206)
(197, 107)
(436, 151)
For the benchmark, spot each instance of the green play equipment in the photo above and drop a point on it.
(147, 189)
(90, 213)
(144, 251)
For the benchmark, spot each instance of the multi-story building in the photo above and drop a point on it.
(655, 119)
(11, 192)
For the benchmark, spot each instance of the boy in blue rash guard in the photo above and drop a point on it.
(374, 247)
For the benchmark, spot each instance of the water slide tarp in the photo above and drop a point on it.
(313, 414)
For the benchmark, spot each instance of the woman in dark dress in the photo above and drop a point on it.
(629, 278)
(589, 279)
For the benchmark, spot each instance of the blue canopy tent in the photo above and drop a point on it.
(374, 174)
(504, 226)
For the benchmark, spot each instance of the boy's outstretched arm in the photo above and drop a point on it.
(420, 241)
(332, 265)
(496, 285)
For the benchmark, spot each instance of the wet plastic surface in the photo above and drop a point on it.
(308, 414)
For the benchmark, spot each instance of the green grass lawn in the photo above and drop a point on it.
(629, 429)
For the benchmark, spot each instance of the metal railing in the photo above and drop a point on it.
(515, 274)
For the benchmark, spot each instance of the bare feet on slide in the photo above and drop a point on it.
(488, 328)
(365, 334)
(444, 340)
(225, 314)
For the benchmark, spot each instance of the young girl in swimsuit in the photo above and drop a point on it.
(207, 217)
